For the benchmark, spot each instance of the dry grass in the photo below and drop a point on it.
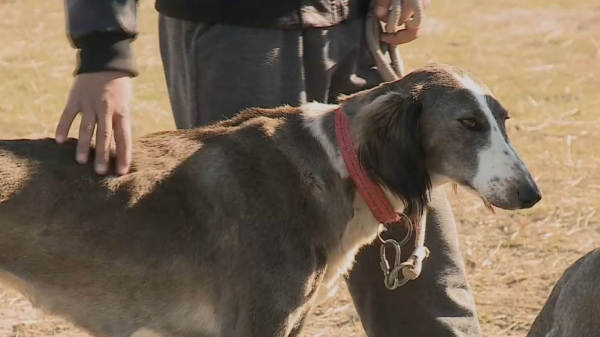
(540, 57)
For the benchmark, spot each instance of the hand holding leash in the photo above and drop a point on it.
(395, 13)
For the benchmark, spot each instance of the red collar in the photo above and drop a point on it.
(370, 191)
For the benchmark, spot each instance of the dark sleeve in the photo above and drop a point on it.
(102, 30)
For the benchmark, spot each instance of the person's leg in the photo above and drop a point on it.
(439, 303)
(214, 71)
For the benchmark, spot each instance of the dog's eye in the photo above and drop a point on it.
(469, 123)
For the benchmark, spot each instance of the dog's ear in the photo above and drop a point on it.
(390, 151)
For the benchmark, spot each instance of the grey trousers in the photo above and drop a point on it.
(214, 71)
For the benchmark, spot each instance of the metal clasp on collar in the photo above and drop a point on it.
(411, 268)
(390, 275)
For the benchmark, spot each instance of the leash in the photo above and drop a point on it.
(373, 30)
(382, 211)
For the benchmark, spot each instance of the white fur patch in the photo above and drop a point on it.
(360, 231)
(11, 281)
(197, 315)
(498, 161)
(146, 333)
(313, 114)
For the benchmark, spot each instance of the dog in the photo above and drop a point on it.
(237, 228)
(574, 303)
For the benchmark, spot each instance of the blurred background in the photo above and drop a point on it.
(541, 58)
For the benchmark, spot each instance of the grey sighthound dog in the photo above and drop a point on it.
(237, 228)
(573, 308)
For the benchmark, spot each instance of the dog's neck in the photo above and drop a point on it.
(319, 119)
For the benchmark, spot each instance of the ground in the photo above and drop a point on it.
(541, 58)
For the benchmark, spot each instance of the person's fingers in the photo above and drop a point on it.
(86, 131)
(66, 119)
(407, 12)
(103, 137)
(122, 131)
(382, 8)
(401, 36)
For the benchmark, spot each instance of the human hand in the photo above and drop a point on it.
(104, 99)
(408, 34)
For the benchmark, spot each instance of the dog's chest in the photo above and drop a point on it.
(360, 230)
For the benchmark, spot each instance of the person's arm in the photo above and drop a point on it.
(102, 31)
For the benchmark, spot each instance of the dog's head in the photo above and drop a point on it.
(440, 124)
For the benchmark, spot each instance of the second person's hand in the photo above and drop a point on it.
(382, 11)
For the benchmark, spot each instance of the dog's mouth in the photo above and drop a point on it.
(511, 197)
(488, 205)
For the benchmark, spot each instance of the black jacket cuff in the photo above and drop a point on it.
(105, 52)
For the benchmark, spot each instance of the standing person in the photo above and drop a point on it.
(221, 56)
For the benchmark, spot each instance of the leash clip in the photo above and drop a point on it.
(390, 275)
(411, 268)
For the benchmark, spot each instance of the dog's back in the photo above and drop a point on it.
(573, 308)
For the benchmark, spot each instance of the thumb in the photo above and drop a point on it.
(382, 8)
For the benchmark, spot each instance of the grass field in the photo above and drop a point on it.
(541, 58)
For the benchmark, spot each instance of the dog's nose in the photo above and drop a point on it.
(529, 195)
